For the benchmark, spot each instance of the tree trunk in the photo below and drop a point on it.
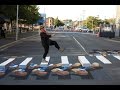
(20, 28)
(32, 28)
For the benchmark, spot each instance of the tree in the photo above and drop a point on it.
(109, 21)
(29, 14)
(33, 15)
(9, 11)
(57, 22)
(90, 22)
(93, 22)
(106, 22)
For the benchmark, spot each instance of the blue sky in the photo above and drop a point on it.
(78, 12)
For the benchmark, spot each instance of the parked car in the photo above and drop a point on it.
(78, 29)
(84, 29)
(90, 31)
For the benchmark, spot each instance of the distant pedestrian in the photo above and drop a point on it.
(46, 42)
(3, 33)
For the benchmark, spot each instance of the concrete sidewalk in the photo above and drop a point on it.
(116, 38)
(12, 37)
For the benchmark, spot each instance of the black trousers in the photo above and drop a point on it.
(46, 47)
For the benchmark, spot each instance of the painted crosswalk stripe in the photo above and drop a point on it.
(117, 56)
(65, 62)
(25, 63)
(45, 64)
(84, 61)
(103, 59)
(5, 64)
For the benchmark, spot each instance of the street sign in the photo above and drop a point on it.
(42, 19)
(43, 15)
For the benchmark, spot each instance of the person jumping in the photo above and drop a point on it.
(46, 42)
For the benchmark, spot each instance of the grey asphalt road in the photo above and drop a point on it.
(75, 44)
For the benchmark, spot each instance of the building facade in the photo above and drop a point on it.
(117, 31)
(50, 22)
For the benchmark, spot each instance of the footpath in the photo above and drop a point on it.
(116, 38)
(12, 37)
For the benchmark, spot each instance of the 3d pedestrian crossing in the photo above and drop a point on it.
(65, 60)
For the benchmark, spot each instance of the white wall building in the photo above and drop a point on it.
(117, 31)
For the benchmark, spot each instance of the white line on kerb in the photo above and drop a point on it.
(112, 40)
(8, 45)
(80, 45)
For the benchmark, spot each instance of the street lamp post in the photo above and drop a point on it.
(119, 27)
(45, 17)
(92, 24)
(83, 18)
(17, 23)
(86, 22)
(45, 20)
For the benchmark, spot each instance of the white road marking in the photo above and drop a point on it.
(103, 59)
(80, 45)
(4, 64)
(45, 64)
(84, 61)
(64, 60)
(25, 63)
(117, 56)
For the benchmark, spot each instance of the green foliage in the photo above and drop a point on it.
(27, 13)
(57, 22)
(8, 11)
(110, 21)
(93, 22)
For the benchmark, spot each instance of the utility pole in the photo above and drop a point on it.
(92, 24)
(86, 23)
(17, 23)
(119, 27)
(83, 17)
(45, 17)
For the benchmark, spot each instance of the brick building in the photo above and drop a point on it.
(50, 21)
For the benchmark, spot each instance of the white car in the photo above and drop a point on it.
(85, 29)
(77, 29)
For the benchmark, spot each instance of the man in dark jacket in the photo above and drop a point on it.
(46, 42)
